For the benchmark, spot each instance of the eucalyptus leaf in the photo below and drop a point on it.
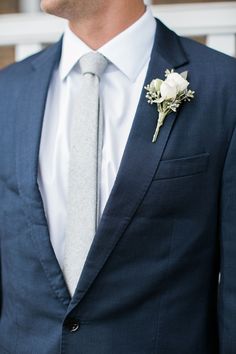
(184, 75)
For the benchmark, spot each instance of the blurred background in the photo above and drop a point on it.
(24, 29)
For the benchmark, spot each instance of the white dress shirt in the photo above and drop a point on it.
(120, 89)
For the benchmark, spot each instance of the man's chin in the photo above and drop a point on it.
(54, 7)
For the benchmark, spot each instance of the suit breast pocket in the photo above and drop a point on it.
(178, 188)
(181, 167)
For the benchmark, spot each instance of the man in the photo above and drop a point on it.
(111, 242)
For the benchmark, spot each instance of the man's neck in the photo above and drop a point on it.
(101, 27)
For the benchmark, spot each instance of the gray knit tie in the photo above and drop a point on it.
(84, 171)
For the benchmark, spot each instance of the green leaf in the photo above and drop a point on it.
(184, 75)
(160, 100)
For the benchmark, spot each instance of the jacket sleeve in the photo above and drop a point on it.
(227, 285)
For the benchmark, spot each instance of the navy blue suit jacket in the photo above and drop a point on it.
(150, 282)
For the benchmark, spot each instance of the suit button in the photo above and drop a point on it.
(72, 325)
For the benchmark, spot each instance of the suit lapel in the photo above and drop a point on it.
(30, 112)
(139, 163)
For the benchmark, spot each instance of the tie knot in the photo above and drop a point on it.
(93, 63)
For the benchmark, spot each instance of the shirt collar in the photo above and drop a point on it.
(128, 51)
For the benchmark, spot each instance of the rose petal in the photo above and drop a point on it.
(180, 82)
(155, 85)
(168, 90)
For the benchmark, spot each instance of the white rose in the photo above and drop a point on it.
(180, 82)
(168, 89)
(155, 85)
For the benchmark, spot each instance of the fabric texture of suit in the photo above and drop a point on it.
(150, 282)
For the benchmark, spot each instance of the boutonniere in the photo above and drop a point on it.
(168, 95)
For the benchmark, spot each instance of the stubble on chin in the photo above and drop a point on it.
(61, 8)
(72, 9)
